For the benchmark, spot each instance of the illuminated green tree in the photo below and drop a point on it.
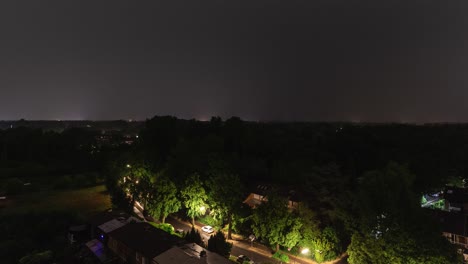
(281, 257)
(164, 200)
(137, 181)
(310, 226)
(194, 197)
(326, 246)
(273, 222)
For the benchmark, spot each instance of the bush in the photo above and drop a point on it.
(281, 257)
(218, 244)
(166, 227)
(242, 226)
(37, 258)
(194, 237)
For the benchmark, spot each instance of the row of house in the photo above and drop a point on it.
(453, 219)
(260, 192)
(119, 238)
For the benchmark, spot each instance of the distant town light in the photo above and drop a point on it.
(128, 166)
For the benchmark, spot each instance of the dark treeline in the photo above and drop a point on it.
(361, 182)
(260, 151)
(60, 152)
(68, 159)
(266, 151)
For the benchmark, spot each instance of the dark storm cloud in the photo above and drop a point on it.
(290, 60)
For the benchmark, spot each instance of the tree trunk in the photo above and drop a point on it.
(229, 236)
(277, 247)
(132, 205)
(163, 219)
(193, 221)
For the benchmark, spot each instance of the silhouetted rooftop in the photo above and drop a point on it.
(145, 238)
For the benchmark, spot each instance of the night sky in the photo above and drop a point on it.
(311, 60)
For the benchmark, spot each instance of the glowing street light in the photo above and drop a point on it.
(128, 166)
(202, 208)
(305, 251)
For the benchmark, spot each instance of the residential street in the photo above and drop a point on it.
(239, 247)
(258, 253)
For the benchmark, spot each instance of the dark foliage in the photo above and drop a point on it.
(194, 237)
(26, 235)
(217, 243)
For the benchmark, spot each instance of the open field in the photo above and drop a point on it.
(85, 201)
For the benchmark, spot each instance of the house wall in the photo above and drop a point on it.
(140, 259)
(456, 239)
(255, 200)
(121, 250)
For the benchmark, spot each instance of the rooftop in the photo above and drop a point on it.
(111, 225)
(285, 191)
(98, 249)
(106, 216)
(177, 256)
(145, 239)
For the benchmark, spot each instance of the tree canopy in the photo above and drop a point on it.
(194, 197)
(164, 200)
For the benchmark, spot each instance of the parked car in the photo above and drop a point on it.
(244, 259)
(207, 229)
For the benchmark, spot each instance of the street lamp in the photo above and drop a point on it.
(252, 238)
(202, 208)
(305, 251)
(128, 166)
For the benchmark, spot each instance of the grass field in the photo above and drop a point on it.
(85, 201)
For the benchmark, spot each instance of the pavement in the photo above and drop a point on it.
(238, 248)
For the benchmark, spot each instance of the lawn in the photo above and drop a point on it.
(85, 201)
